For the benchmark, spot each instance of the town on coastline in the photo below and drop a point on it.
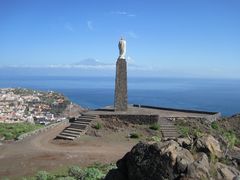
(25, 105)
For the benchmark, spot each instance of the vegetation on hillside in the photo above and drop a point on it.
(96, 171)
(154, 126)
(12, 131)
(226, 129)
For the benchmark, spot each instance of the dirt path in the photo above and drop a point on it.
(40, 152)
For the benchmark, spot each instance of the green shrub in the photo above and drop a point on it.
(214, 125)
(134, 136)
(97, 126)
(12, 131)
(66, 178)
(155, 126)
(8, 135)
(93, 174)
(185, 131)
(197, 133)
(103, 167)
(231, 138)
(154, 138)
(43, 175)
(76, 172)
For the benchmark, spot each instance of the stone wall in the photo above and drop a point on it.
(135, 119)
(206, 115)
(43, 129)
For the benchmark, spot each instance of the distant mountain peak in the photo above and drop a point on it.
(90, 62)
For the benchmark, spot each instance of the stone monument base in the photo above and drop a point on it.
(121, 98)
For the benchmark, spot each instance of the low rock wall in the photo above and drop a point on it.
(135, 119)
(21, 137)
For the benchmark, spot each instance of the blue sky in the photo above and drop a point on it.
(169, 37)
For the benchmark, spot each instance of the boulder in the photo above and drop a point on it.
(115, 174)
(178, 156)
(226, 172)
(209, 145)
(170, 160)
(199, 169)
(184, 142)
(165, 160)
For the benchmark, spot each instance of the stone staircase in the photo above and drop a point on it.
(168, 128)
(77, 127)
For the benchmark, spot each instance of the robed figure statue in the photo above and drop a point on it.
(122, 48)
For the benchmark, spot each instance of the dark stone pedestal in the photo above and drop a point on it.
(121, 97)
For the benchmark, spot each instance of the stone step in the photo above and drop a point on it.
(77, 125)
(64, 137)
(88, 116)
(83, 120)
(81, 123)
(165, 122)
(74, 129)
(170, 134)
(169, 126)
(69, 134)
(170, 137)
(72, 132)
(170, 131)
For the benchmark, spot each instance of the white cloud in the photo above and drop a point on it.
(90, 25)
(130, 60)
(123, 13)
(68, 26)
(132, 34)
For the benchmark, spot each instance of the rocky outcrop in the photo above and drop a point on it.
(209, 145)
(199, 169)
(172, 160)
(227, 172)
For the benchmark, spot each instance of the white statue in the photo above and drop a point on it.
(122, 48)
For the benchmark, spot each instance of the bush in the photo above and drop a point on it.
(12, 131)
(214, 125)
(198, 133)
(231, 138)
(154, 138)
(8, 135)
(66, 178)
(43, 175)
(103, 167)
(97, 126)
(93, 174)
(76, 172)
(185, 131)
(155, 126)
(134, 136)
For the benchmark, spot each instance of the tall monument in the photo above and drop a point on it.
(121, 97)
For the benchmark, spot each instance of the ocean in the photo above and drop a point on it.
(220, 95)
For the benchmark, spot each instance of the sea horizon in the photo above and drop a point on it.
(215, 95)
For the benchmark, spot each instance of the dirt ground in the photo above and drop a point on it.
(41, 152)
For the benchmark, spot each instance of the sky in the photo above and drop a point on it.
(195, 38)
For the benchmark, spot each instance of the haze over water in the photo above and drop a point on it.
(221, 95)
